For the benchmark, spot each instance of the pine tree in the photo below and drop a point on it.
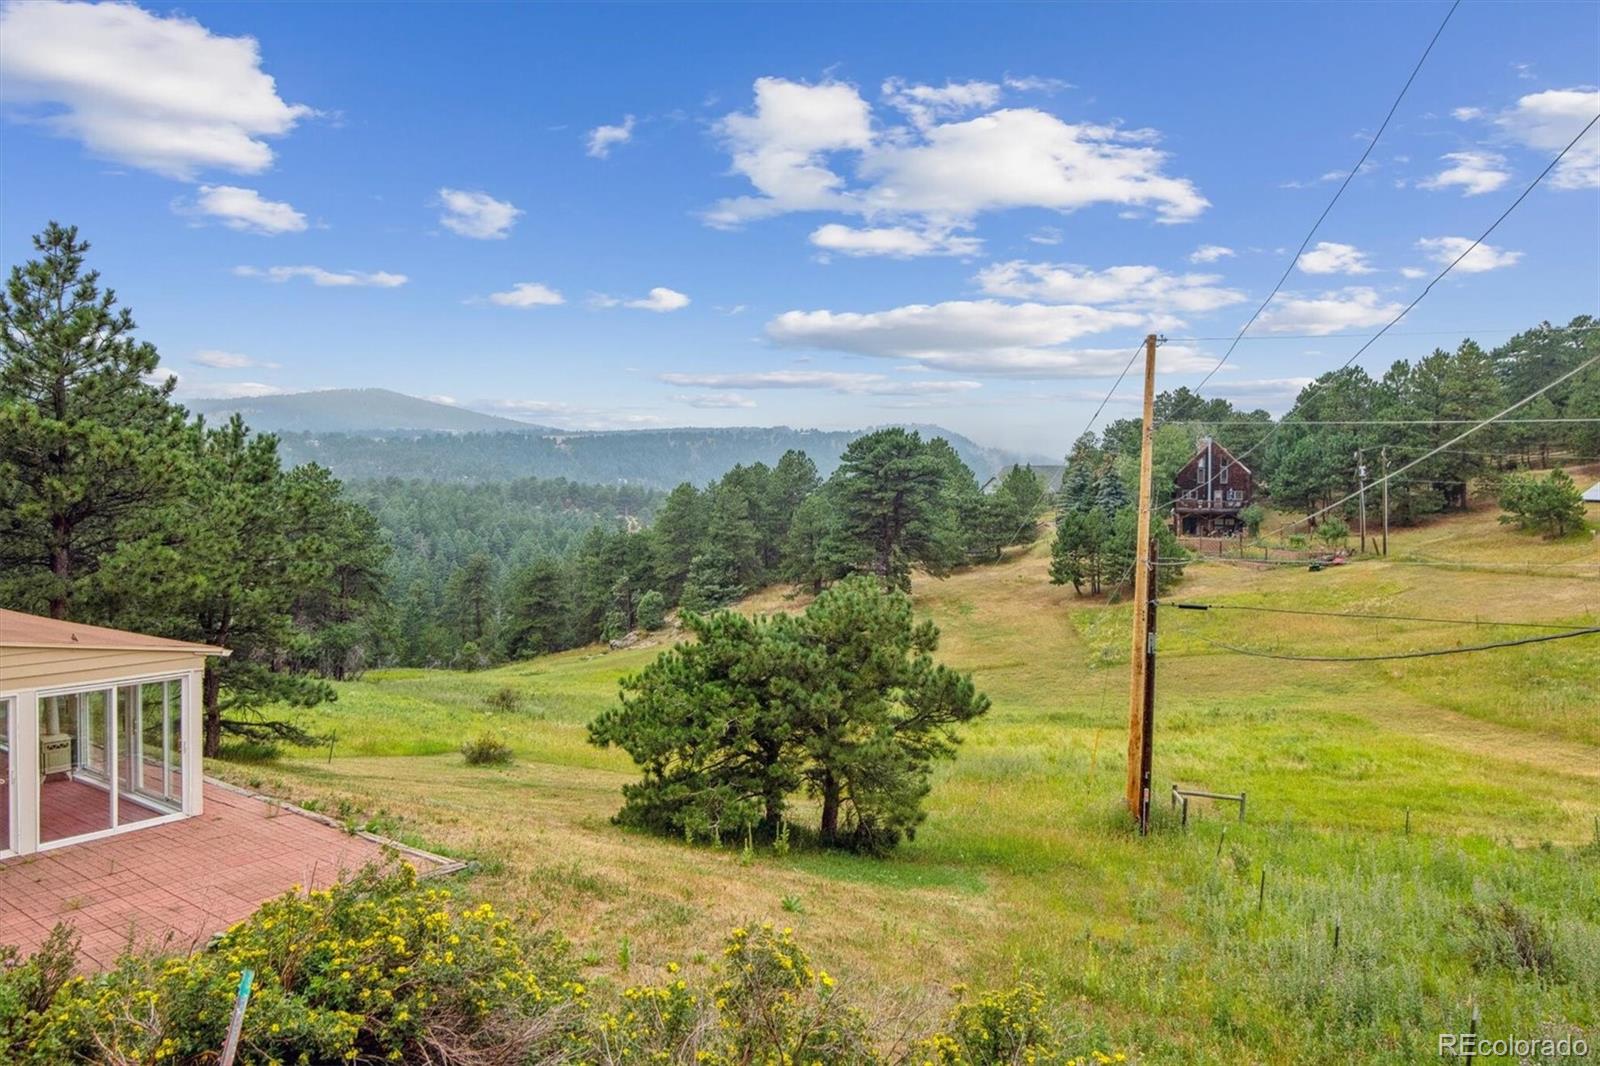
(469, 599)
(713, 580)
(535, 611)
(894, 502)
(680, 530)
(89, 448)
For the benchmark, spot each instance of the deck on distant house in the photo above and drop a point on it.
(172, 886)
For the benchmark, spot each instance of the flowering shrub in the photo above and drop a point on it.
(376, 970)
(381, 969)
(1007, 1026)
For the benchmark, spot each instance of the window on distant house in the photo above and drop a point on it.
(1223, 477)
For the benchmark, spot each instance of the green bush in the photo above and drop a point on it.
(1549, 505)
(652, 610)
(378, 969)
(486, 750)
(505, 699)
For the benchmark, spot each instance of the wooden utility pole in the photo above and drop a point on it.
(1383, 457)
(1139, 690)
(1361, 478)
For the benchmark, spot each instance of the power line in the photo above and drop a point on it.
(1458, 437)
(1265, 423)
(1446, 564)
(1348, 178)
(1431, 653)
(1398, 333)
(1427, 289)
(1115, 385)
(1363, 615)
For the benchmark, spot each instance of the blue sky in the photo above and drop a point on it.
(616, 216)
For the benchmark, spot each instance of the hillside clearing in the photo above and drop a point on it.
(1025, 864)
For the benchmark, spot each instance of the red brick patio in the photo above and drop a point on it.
(173, 886)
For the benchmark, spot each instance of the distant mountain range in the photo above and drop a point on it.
(357, 411)
(369, 434)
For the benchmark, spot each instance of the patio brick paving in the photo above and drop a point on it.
(172, 886)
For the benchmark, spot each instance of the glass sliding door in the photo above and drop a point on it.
(149, 775)
(8, 790)
(109, 758)
(75, 732)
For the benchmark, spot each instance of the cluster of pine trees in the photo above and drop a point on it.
(1411, 409)
(116, 508)
(895, 502)
(1311, 459)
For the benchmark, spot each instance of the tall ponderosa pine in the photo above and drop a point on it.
(88, 445)
(535, 614)
(892, 493)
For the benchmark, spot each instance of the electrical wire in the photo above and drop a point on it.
(1396, 333)
(1363, 615)
(1431, 653)
(1419, 297)
(1367, 422)
(1115, 385)
(1586, 364)
(1348, 178)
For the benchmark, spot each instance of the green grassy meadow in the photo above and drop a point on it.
(1026, 867)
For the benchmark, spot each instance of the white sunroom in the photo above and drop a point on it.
(100, 731)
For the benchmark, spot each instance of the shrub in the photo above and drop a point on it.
(1507, 937)
(378, 969)
(486, 750)
(28, 987)
(1333, 530)
(1005, 1026)
(652, 610)
(1252, 517)
(1550, 505)
(505, 699)
(771, 1006)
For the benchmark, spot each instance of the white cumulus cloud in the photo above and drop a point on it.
(1130, 287)
(896, 242)
(246, 210)
(1210, 253)
(846, 382)
(1445, 250)
(660, 299)
(380, 279)
(925, 104)
(160, 93)
(1548, 120)
(986, 337)
(602, 139)
(1474, 173)
(476, 214)
(1354, 307)
(1331, 257)
(527, 294)
(814, 148)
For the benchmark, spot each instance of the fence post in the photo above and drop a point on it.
(240, 1000)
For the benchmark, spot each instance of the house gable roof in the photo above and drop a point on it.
(1593, 495)
(19, 630)
(1225, 457)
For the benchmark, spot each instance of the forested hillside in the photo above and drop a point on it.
(490, 572)
(659, 458)
(1309, 458)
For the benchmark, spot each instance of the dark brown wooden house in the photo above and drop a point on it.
(1212, 488)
